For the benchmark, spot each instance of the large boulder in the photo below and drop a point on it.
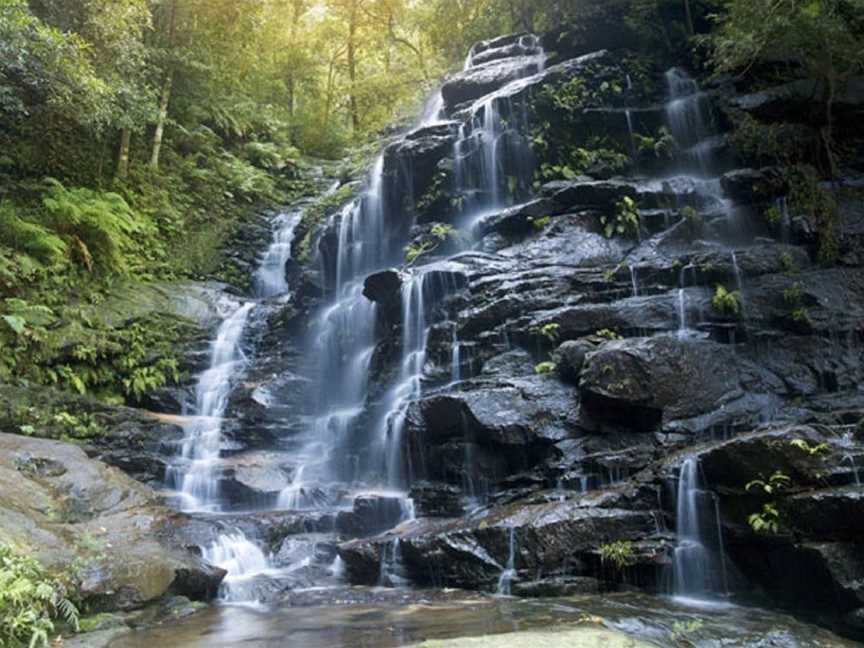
(473, 552)
(66, 509)
(479, 81)
(642, 382)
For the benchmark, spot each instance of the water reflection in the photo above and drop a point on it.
(364, 618)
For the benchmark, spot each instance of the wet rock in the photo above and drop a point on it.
(476, 82)
(731, 464)
(827, 514)
(413, 160)
(570, 358)
(573, 194)
(798, 101)
(472, 553)
(642, 382)
(433, 499)
(558, 586)
(384, 287)
(94, 515)
(370, 514)
(746, 186)
(823, 576)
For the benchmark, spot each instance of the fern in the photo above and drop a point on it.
(29, 601)
(29, 238)
(100, 227)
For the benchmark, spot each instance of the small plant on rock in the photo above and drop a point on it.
(549, 331)
(625, 220)
(607, 334)
(618, 554)
(812, 450)
(778, 481)
(539, 222)
(681, 630)
(726, 302)
(766, 521)
(545, 367)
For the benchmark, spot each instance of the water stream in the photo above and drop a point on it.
(699, 569)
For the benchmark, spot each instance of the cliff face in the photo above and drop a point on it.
(565, 339)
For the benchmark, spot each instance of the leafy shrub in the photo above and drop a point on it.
(618, 554)
(30, 238)
(100, 228)
(625, 220)
(726, 301)
(30, 601)
(767, 520)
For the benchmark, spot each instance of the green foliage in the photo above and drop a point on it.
(726, 302)
(30, 601)
(545, 367)
(811, 450)
(693, 220)
(438, 234)
(661, 146)
(550, 331)
(618, 554)
(80, 426)
(625, 220)
(100, 228)
(766, 521)
(539, 222)
(778, 481)
(794, 294)
(607, 334)
(28, 237)
(683, 630)
(787, 263)
(809, 196)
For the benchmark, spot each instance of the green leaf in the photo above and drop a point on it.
(17, 324)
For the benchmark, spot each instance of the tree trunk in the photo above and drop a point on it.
(165, 96)
(164, 100)
(123, 154)
(352, 69)
(687, 9)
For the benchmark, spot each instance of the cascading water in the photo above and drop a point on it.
(242, 560)
(491, 148)
(699, 569)
(690, 117)
(195, 475)
(270, 278)
(415, 333)
(455, 358)
(508, 574)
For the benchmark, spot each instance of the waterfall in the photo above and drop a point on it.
(195, 475)
(690, 116)
(508, 574)
(455, 358)
(684, 329)
(392, 571)
(342, 347)
(698, 556)
(491, 148)
(243, 560)
(633, 282)
(270, 277)
(415, 334)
